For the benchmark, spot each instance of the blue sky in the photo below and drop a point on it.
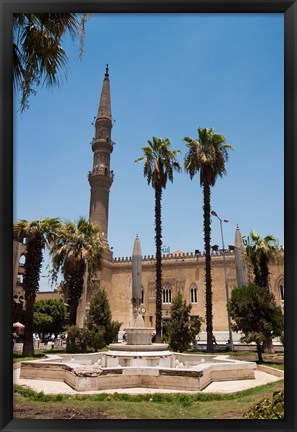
(169, 75)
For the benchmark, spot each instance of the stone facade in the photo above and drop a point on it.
(181, 272)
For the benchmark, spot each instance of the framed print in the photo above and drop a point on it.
(81, 153)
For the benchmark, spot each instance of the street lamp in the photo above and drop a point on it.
(225, 273)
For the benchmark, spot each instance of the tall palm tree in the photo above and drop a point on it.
(159, 163)
(38, 234)
(79, 247)
(208, 155)
(260, 251)
(38, 56)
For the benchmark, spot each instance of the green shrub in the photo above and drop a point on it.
(181, 330)
(78, 340)
(97, 337)
(99, 321)
(268, 408)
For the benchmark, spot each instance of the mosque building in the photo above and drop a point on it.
(181, 271)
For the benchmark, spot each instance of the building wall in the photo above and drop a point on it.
(179, 271)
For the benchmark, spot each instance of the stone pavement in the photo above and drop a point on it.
(54, 387)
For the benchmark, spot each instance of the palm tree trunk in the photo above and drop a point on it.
(208, 281)
(31, 285)
(158, 241)
(262, 279)
(75, 282)
(28, 347)
(264, 272)
(72, 313)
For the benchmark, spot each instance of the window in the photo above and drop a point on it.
(281, 289)
(22, 260)
(193, 293)
(167, 293)
(142, 295)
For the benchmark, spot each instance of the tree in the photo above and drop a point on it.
(42, 323)
(38, 56)
(99, 321)
(49, 316)
(208, 155)
(78, 248)
(181, 330)
(38, 234)
(259, 252)
(255, 314)
(159, 163)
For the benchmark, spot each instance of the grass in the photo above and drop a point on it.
(38, 354)
(152, 406)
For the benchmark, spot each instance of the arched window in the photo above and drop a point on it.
(22, 260)
(142, 295)
(281, 289)
(193, 293)
(167, 293)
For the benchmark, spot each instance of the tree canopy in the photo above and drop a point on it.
(255, 314)
(38, 55)
(78, 249)
(49, 316)
(260, 251)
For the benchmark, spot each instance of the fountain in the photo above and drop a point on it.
(138, 362)
(138, 349)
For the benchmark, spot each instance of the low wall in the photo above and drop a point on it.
(192, 378)
(272, 371)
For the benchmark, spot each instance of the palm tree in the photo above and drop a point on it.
(159, 163)
(260, 252)
(208, 155)
(38, 234)
(79, 247)
(37, 52)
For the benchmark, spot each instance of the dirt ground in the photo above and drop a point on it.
(25, 410)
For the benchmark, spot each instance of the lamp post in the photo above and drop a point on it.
(225, 273)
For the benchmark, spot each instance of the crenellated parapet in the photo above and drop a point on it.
(173, 256)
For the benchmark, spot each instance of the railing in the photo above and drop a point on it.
(102, 171)
(112, 143)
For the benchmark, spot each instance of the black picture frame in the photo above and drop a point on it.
(289, 9)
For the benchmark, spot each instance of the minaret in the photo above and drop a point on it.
(101, 178)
